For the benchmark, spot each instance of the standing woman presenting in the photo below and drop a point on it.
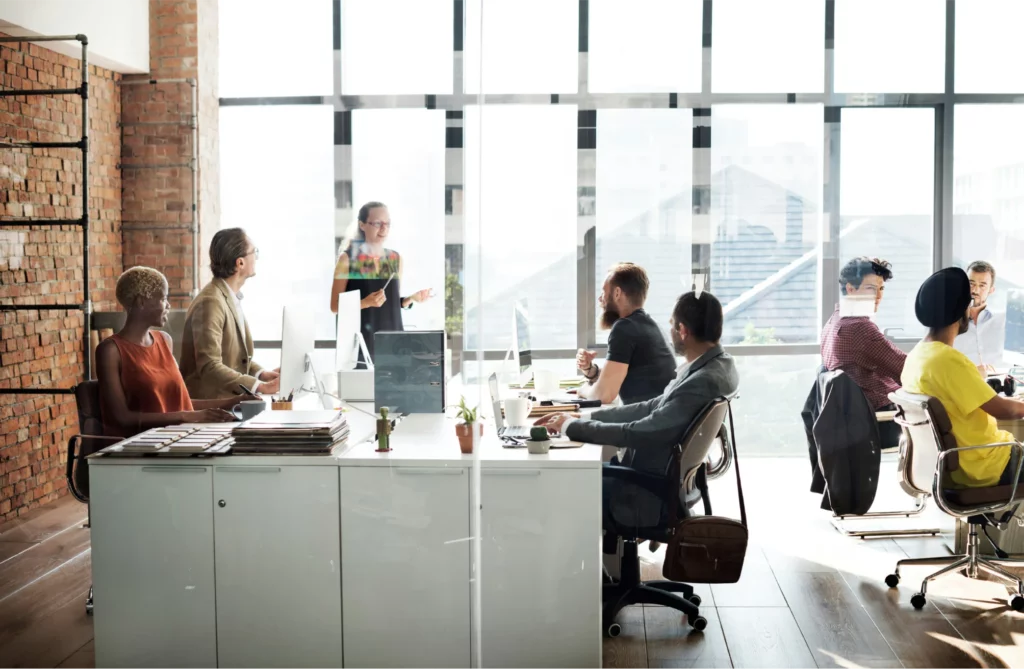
(376, 272)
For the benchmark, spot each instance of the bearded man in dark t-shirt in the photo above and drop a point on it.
(639, 364)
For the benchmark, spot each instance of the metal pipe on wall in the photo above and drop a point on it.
(86, 302)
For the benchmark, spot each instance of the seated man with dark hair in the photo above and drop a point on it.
(639, 363)
(936, 369)
(855, 345)
(651, 429)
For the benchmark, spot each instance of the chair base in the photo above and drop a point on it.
(919, 504)
(88, 603)
(970, 564)
(630, 590)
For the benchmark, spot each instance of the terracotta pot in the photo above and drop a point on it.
(465, 434)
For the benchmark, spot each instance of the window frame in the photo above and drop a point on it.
(702, 104)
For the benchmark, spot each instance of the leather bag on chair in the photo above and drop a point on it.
(708, 549)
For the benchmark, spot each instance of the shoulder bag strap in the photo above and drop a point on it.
(736, 466)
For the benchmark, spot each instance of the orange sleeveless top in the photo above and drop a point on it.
(151, 381)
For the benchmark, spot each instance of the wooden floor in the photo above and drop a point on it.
(808, 597)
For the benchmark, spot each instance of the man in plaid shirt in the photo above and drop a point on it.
(855, 345)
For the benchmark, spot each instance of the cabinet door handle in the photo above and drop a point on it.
(428, 471)
(250, 470)
(512, 472)
(175, 470)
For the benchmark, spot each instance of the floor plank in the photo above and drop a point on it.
(46, 521)
(83, 658)
(629, 649)
(922, 638)
(41, 558)
(756, 587)
(45, 623)
(9, 549)
(992, 633)
(764, 637)
(671, 642)
(838, 630)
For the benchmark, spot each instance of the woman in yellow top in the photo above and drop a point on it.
(936, 369)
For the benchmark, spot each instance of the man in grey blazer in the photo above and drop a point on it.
(649, 430)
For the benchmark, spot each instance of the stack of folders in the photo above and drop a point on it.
(291, 432)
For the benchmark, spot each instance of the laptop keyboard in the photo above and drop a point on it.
(522, 432)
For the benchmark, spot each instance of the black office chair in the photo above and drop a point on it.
(89, 440)
(680, 488)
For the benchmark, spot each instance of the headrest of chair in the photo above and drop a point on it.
(87, 398)
(917, 407)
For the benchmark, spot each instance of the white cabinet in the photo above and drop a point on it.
(406, 578)
(152, 561)
(278, 566)
(541, 567)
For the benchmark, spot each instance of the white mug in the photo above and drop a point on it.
(545, 382)
(517, 411)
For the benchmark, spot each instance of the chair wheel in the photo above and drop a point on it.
(613, 630)
(1017, 603)
(918, 601)
(695, 600)
(88, 609)
(892, 580)
(700, 623)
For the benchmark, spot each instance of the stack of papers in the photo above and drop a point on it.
(291, 432)
(567, 383)
(176, 440)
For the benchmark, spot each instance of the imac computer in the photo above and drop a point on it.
(297, 341)
(522, 354)
(350, 338)
(1013, 348)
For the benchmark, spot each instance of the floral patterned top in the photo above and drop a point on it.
(368, 274)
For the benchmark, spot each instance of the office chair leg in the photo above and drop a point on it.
(1003, 575)
(672, 586)
(88, 603)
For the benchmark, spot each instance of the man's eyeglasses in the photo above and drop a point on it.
(379, 224)
(255, 252)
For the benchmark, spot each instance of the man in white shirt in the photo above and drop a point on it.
(986, 332)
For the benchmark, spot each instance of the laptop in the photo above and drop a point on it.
(506, 433)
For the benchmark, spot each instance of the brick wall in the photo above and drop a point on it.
(158, 201)
(44, 265)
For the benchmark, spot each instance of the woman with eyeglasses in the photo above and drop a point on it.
(376, 272)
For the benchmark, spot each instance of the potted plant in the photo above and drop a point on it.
(464, 430)
(538, 443)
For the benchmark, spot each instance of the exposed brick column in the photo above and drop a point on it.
(158, 201)
(44, 265)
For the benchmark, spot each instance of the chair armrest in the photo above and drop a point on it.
(652, 483)
(939, 495)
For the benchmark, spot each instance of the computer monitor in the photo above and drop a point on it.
(522, 354)
(349, 333)
(1013, 348)
(297, 342)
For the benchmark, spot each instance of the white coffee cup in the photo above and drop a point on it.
(517, 411)
(545, 382)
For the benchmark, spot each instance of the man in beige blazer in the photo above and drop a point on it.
(216, 347)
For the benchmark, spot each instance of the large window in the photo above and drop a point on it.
(645, 46)
(890, 46)
(643, 199)
(887, 201)
(766, 186)
(988, 46)
(280, 192)
(988, 193)
(520, 211)
(412, 55)
(251, 36)
(521, 46)
(768, 47)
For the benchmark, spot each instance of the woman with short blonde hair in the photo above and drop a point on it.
(140, 385)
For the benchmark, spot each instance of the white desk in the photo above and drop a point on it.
(355, 559)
